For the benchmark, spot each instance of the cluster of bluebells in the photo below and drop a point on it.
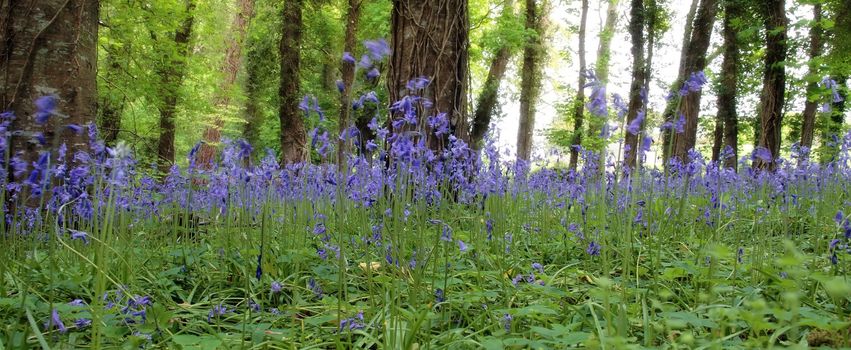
(414, 156)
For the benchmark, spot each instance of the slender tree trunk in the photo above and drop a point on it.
(579, 100)
(650, 11)
(811, 106)
(636, 32)
(293, 136)
(348, 72)
(695, 62)
(601, 66)
(430, 39)
(488, 98)
(48, 47)
(171, 75)
(111, 103)
(671, 106)
(774, 80)
(727, 89)
(253, 116)
(531, 79)
(230, 68)
(831, 138)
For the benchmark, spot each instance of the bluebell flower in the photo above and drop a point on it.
(593, 249)
(634, 126)
(45, 107)
(79, 235)
(314, 287)
(378, 49)
(462, 246)
(216, 311)
(55, 321)
(506, 322)
(761, 153)
(276, 287)
(439, 295)
(539, 267)
(81, 323)
(373, 73)
(348, 58)
(446, 234)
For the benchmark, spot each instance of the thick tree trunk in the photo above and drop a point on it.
(671, 106)
(695, 62)
(293, 136)
(530, 85)
(48, 47)
(774, 80)
(811, 106)
(171, 75)
(636, 32)
(348, 74)
(230, 67)
(729, 80)
(430, 39)
(579, 100)
(489, 96)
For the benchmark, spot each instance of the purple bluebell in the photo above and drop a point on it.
(45, 107)
(348, 58)
(55, 321)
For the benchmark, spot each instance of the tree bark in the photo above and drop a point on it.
(727, 89)
(48, 47)
(293, 135)
(774, 80)
(811, 106)
(695, 62)
(636, 32)
(531, 80)
(430, 38)
(671, 106)
(579, 100)
(230, 67)
(171, 74)
(348, 74)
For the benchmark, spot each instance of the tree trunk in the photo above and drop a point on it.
(831, 138)
(171, 74)
(230, 68)
(488, 98)
(348, 74)
(670, 108)
(636, 32)
(293, 136)
(728, 89)
(579, 100)
(695, 62)
(650, 11)
(111, 103)
(530, 85)
(430, 38)
(601, 66)
(811, 106)
(774, 80)
(253, 116)
(48, 47)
